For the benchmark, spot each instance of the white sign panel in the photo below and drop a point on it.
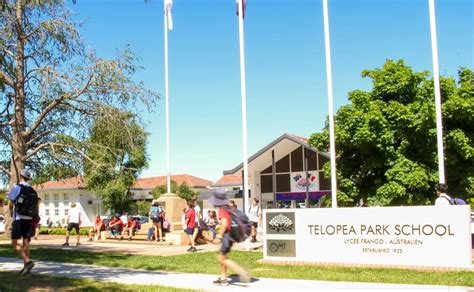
(299, 181)
(404, 236)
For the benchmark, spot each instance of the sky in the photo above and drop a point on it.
(285, 65)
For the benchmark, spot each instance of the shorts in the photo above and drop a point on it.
(22, 228)
(254, 224)
(226, 244)
(157, 220)
(189, 231)
(72, 226)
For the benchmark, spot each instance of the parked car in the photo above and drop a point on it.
(141, 219)
(2, 224)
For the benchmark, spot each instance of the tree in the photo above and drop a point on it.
(117, 158)
(386, 138)
(182, 190)
(53, 87)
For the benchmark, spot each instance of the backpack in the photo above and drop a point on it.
(240, 226)
(156, 212)
(26, 204)
(138, 225)
(455, 201)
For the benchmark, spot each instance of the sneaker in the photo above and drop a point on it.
(77, 244)
(190, 248)
(158, 240)
(193, 250)
(65, 244)
(22, 269)
(253, 240)
(163, 240)
(28, 266)
(89, 240)
(221, 281)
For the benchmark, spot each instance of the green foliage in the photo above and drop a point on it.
(62, 231)
(182, 190)
(386, 138)
(117, 151)
(141, 208)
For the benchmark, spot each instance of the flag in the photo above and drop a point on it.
(168, 5)
(244, 7)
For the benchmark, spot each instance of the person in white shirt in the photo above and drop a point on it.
(255, 215)
(73, 222)
(443, 198)
(198, 219)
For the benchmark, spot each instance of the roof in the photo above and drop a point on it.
(68, 183)
(291, 137)
(229, 180)
(152, 182)
(141, 183)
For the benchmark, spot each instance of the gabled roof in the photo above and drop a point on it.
(68, 183)
(228, 180)
(291, 137)
(191, 181)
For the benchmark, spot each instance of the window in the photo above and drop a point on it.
(66, 202)
(46, 212)
(266, 182)
(46, 199)
(311, 156)
(56, 211)
(283, 183)
(297, 159)
(322, 160)
(283, 165)
(56, 197)
(66, 212)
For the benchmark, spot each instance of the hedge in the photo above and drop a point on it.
(62, 231)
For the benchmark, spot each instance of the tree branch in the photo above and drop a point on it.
(53, 144)
(6, 78)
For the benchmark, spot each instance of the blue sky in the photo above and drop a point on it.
(284, 47)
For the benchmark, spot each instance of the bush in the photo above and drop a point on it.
(62, 231)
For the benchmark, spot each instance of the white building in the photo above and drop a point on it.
(56, 196)
(285, 172)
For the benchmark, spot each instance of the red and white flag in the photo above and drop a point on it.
(168, 5)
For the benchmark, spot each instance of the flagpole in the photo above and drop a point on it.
(437, 91)
(332, 143)
(244, 105)
(168, 176)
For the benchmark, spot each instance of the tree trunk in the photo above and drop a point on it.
(18, 127)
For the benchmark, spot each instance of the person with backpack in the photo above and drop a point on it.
(443, 198)
(234, 227)
(156, 216)
(255, 216)
(24, 208)
(73, 221)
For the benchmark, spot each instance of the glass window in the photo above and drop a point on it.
(266, 183)
(324, 183)
(267, 170)
(66, 212)
(56, 205)
(283, 182)
(46, 198)
(66, 197)
(46, 212)
(283, 165)
(311, 156)
(322, 160)
(56, 197)
(297, 159)
(56, 211)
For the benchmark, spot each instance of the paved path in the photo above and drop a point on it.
(203, 281)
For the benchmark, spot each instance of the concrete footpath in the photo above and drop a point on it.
(203, 281)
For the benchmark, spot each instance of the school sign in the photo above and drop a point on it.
(403, 236)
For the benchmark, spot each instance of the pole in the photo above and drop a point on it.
(332, 147)
(437, 92)
(168, 176)
(244, 105)
(306, 201)
(275, 203)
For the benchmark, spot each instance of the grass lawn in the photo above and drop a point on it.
(207, 263)
(11, 281)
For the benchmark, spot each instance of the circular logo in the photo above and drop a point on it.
(273, 247)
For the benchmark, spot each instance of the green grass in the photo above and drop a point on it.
(11, 281)
(207, 263)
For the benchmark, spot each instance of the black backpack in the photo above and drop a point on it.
(26, 204)
(240, 226)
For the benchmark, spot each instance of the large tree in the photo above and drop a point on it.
(118, 158)
(386, 138)
(52, 87)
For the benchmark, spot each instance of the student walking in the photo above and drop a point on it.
(255, 216)
(73, 222)
(191, 226)
(443, 198)
(220, 200)
(156, 216)
(23, 207)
